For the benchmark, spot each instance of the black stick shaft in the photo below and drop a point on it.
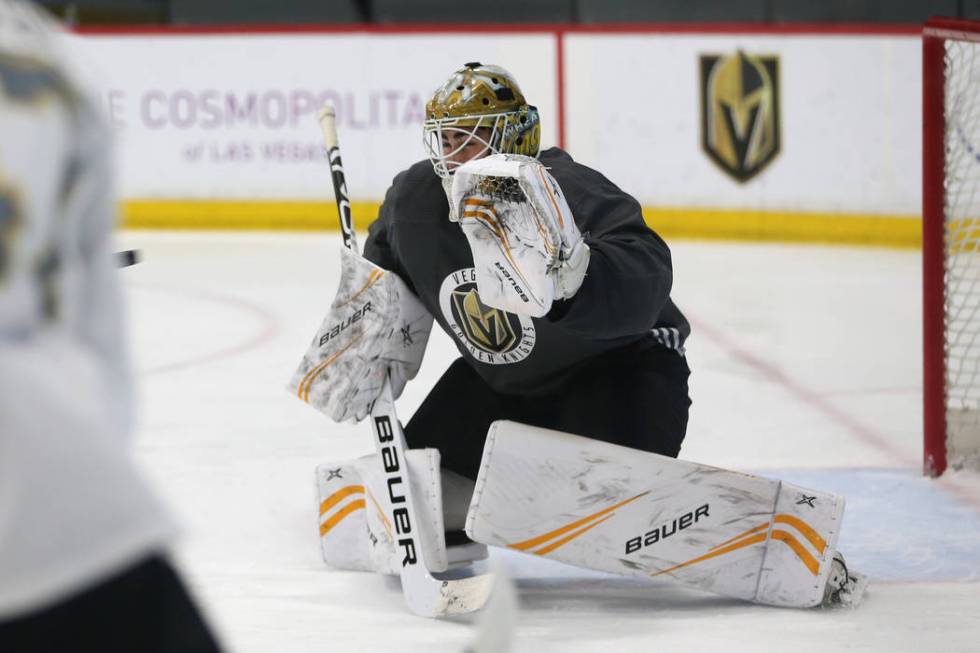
(328, 123)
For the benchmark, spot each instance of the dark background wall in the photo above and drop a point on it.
(588, 12)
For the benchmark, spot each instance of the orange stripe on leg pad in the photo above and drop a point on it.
(339, 496)
(339, 515)
(758, 528)
(568, 538)
(804, 555)
(755, 539)
(818, 542)
(541, 539)
(737, 542)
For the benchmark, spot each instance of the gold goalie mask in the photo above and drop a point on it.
(483, 105)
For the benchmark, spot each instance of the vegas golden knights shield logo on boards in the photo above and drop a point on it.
(740, 112)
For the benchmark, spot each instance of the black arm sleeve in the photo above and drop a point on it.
(378, 248)
(629, 277)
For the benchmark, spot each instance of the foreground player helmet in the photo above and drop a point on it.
(474, 97)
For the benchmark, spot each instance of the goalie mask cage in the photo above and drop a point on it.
(951, 244)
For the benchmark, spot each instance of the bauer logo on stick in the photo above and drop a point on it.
(396, 489)
(740, 121)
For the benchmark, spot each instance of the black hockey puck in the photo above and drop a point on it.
(128, 257)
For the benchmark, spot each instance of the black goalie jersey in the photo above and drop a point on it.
(624, 300)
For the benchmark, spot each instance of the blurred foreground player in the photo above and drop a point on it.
(82, 539)
(570, 399)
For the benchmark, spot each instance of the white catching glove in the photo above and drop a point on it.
(375, 325)
(527, 249)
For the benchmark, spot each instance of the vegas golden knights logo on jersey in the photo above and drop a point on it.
(489, 329)
(488, 334)
(740, 112)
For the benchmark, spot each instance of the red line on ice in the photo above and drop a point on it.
(865, 433)
(268, 330)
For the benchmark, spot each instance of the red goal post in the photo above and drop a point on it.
(951, 243)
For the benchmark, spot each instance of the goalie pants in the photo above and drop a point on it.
(636, 397)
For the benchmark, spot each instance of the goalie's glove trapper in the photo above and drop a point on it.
(527, 249)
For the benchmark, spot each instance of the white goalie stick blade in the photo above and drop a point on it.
(426, 595)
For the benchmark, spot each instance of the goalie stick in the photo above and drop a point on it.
(425, 594)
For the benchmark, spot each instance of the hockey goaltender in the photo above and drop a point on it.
(557, 430)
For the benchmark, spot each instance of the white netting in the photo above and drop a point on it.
(962, 237)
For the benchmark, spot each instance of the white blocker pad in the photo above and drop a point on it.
(375, 325)
(615, 509)
(355, 532)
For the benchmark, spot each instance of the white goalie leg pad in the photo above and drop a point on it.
(355, 532)
(615, 509)
(801, 539)
(342, 506)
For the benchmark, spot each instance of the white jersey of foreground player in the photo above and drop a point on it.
(72, 507)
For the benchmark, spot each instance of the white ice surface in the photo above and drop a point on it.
(806, 361)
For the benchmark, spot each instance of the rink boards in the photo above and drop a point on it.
(803, 135)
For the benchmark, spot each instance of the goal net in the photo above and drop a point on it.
(951, 244)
